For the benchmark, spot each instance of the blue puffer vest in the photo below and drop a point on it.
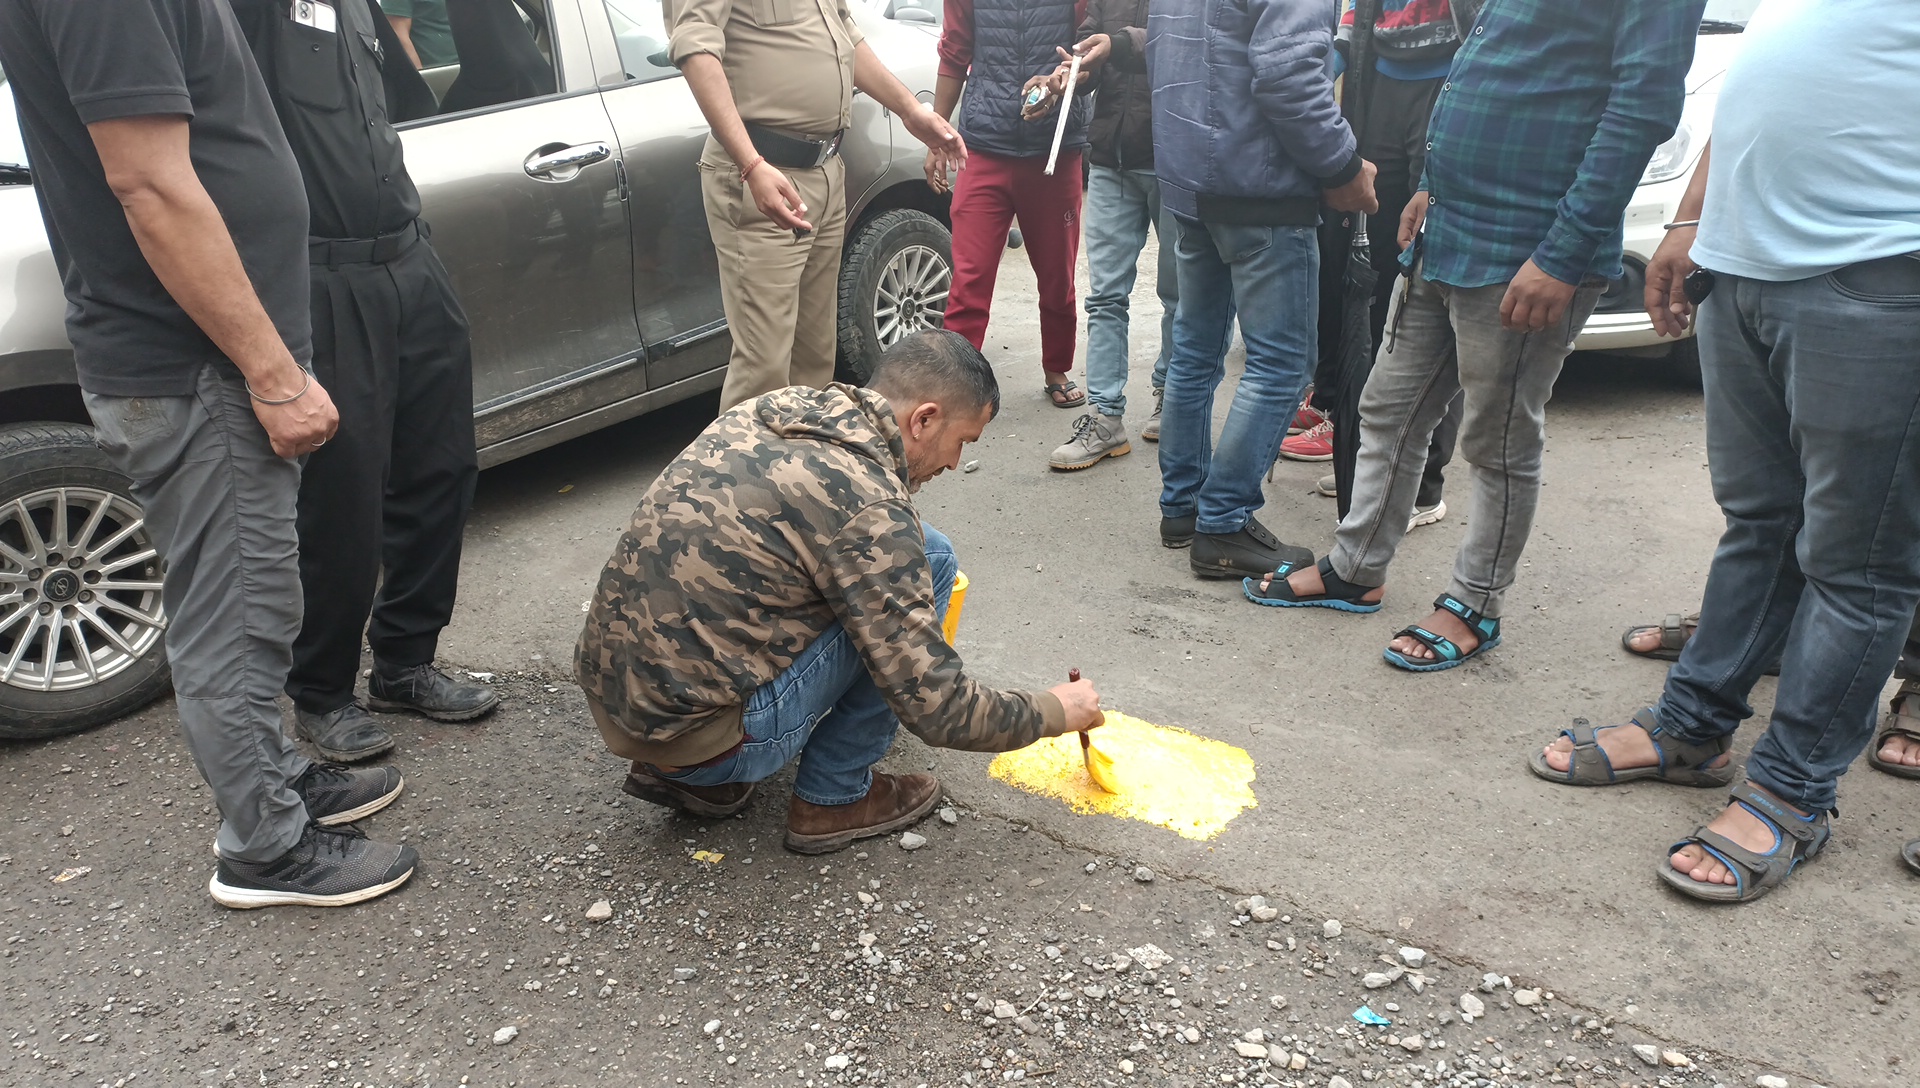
(1013, 41)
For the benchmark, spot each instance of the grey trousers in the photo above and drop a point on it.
(1441, 340)
(220, 506)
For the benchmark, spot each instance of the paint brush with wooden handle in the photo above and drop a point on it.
(1099, 764)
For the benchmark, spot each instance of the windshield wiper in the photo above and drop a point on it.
(13, 174)
(1721, 26)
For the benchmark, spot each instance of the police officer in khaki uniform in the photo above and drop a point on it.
(775, 79)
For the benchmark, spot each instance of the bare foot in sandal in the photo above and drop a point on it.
(1627, 747)
(1306, 582)
(1898, 748)
(1736, 823)
(1443, 623)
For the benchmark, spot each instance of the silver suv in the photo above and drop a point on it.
(572, 224)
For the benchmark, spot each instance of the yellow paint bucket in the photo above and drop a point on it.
(955, 602)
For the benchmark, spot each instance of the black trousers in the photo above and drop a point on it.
(389, 493)
(1395, 142)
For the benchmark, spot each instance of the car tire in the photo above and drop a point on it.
(1683, 363)
(118, 662)
(902, 255)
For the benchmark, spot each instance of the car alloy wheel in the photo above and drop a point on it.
(912, 293)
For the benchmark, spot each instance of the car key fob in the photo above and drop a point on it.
(1697, 286)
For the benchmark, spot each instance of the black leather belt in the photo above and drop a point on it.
(334, 252)
(790, 152)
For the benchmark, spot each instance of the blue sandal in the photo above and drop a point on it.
(1336, 592)
(1796, 838)
(1447, 654)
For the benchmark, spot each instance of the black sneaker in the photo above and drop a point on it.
(336, 795)
(346, 735)
(1177, 532)
(426, 690)
(328, 867)
(1249, 553)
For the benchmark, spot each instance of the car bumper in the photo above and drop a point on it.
(1620, 323)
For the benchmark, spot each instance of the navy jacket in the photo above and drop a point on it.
(1245, 125)
(997, 45)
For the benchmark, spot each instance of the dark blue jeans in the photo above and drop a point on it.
(1272, 276)
(1813, 445)
(824, 709)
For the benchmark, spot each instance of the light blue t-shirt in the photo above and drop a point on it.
(1816, 141)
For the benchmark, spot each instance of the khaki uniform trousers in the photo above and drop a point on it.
(780, 293)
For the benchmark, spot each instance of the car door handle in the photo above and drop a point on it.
(566, 161)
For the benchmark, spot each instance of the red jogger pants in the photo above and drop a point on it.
(988, 195)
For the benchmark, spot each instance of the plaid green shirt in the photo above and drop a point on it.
(1542, 130)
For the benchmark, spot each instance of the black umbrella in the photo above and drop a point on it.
(1355, 361)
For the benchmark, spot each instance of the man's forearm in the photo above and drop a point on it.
(946, 95)
(403, 27)
(873, 77)
(185, 241)
(1694, 200)
(714, 94)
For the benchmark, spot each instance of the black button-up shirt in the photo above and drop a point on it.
(322, 69)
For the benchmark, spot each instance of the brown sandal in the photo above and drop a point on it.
(1675, 630)
(1899, 724)
(1065, 394)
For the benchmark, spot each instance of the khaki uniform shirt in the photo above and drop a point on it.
(790, 62)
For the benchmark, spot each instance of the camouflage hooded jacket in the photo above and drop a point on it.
(789, 514)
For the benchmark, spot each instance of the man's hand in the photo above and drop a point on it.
(1047, 101)
(303, 424)
(1666, 297)
(774, 194)
(1082, 704)
(946, 149)
(1356, 195)
(1413, 219)
(1093, 52)
(1534, 300)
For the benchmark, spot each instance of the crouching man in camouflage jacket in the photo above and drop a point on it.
(777, 596)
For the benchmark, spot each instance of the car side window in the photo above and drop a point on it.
(478, 54)
(640, 31)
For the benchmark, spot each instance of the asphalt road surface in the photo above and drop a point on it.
(1015, 944)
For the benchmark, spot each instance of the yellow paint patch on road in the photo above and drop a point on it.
(1191, 785)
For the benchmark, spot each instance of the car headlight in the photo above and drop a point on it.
(1675, 157)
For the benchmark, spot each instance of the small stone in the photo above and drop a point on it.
(1296, 1062)
(1265, 913)
(1004, 1011)
(684, 974)
(970, 466)
(1026, 1024)
(1376, 979)
(1249, 1050)
(1413, 1043)
(600, 911)
(1490, 982)
(1276, 946)
(67, 831)
(1330, 928)
(1143, 874)
(1472, 1006)
(1675, 1059)
(838, 1061)
(1096, 993)
(1092, 867)
(711, 1027)
(1647, 1054)
(1526, 998)
(866, 898)
(1126, 1066)
(1191, 1035)
(1339, 1082)
(948, 816)
(1413, 957)
(1770, 1080)
(1254, 1036)
(505, 1035)
(912, 841)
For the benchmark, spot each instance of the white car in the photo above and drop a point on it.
(1619, 324)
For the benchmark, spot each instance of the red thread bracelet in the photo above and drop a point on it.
(750, 167)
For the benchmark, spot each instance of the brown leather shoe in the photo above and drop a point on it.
(714, 802)
(893, 802)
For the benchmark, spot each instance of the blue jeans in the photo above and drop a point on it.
(1121, 204)
(824, 709)
(1272, 276)
(1813, 446)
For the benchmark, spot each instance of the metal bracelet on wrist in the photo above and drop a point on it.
(284, 400)
(1681, 223)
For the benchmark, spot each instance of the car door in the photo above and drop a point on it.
(676, 281)
(520, 183)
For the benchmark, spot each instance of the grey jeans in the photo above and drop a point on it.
(1441, 340)
(220, 507)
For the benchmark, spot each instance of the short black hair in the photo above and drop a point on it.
(940, 366)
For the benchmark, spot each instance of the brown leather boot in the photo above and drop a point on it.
(893, 802)
(714, 802)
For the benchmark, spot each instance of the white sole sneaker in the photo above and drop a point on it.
(254, 898)
(1427, 515)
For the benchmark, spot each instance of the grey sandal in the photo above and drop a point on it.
(1681, 763)
(1899, 724)
(1675, 630)
(1795, 839)
(1911, 855)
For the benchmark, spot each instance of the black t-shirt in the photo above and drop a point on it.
(323, 69)
(74, 62)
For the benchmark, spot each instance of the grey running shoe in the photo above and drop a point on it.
(1328, 486)
(1151, 432)
(346, 735)
(328, 867)
(1095, 438)
(426, 690)
(336, 795)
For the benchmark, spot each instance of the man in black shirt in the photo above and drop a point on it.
(177, 221)
(390, 341)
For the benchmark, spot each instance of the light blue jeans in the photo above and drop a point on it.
(824, 709)
(1813, 446)
(1121, 205)
(1272, 276)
